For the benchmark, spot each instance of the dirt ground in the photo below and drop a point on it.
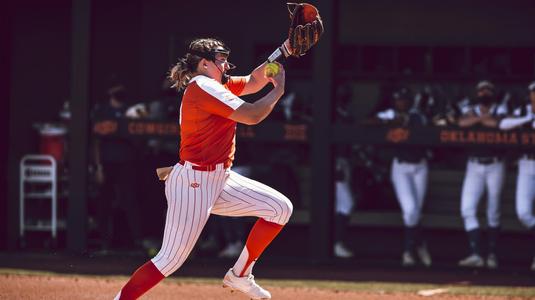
(27, 275)
(59, 287)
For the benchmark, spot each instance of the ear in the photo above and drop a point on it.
(203, 64)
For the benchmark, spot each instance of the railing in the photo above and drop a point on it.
(301, 132)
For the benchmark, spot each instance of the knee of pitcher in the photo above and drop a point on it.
(283, 215)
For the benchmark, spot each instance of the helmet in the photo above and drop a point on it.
(531, 87)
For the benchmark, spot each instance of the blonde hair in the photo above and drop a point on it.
(181, 73)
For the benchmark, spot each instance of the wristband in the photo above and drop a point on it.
(280, 54)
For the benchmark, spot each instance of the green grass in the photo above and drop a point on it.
(364, 287)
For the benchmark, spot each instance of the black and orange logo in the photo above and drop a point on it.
(105, 127)
(295, 132)
(397, 135)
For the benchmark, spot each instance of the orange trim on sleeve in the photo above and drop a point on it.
(236, 84)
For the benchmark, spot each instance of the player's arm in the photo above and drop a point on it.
(515, 121)
(254, 113)
(468, 120)
(400, 120)
(381, 118)
(257, 80)
(490, 121)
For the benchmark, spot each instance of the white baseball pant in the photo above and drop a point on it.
(344, 198)
(410, 185)
(525, 191)
(193, 195)
(478, 177)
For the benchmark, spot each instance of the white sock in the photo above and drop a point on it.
(118, 297)
(240, 264)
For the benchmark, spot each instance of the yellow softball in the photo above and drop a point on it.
(271, 69)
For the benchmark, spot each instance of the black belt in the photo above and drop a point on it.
(485, 160)
(410, 160)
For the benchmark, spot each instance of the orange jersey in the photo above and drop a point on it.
(207, 136)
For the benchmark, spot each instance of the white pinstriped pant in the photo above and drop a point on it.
(410, 185)
(525, 192)
(193, 195)
(478, 178)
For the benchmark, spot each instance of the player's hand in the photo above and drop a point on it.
(279, 80)
(489, 121)
(451, 117)
(486, 118)
(287, 47)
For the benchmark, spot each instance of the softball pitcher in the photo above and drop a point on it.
(202, 183)
(485, 170)
(524, 117)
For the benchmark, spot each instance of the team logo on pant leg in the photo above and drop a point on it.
(195, 185)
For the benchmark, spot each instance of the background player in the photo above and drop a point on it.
(115, 159)
(202, 182)
(485, 170)
(409, 173)
(524, 117)
(344, 202)
(344, 199)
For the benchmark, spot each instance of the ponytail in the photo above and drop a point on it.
(181, 73)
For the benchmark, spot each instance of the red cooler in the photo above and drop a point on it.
(53, 141)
